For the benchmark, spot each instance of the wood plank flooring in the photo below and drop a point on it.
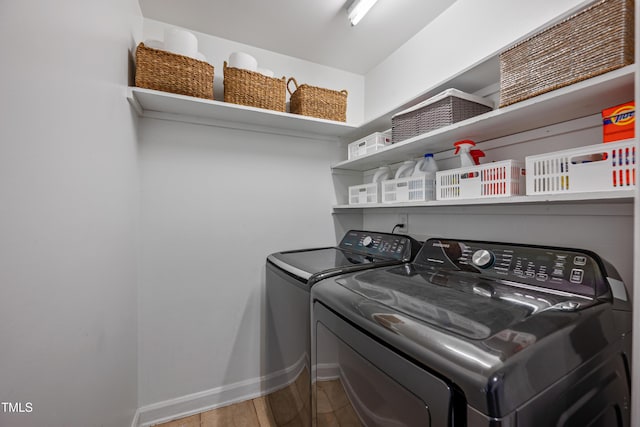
(286, 407)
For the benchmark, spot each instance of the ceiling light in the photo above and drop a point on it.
(358, 9)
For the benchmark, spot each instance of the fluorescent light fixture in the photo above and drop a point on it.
(358, 9)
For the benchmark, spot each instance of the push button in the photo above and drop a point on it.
(580, 260)
(577, 274)
(542, 277)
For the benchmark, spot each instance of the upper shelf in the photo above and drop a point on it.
(578, 100)
(169, 106)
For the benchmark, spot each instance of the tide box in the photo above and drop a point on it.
(618, 122)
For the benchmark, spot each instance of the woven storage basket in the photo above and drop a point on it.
(254, 89)
(592, 42)
(318, 102)
(169, 72)
(446, 108)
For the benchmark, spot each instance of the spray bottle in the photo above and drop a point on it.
(476, 154)
(468, 157)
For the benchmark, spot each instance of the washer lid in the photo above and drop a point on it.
(458, 303)
(309, 263)
(357, 250)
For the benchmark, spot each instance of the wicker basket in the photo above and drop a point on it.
(169, 72)
(443, 109)
(250, 88)
(318, 102)
(592, 42)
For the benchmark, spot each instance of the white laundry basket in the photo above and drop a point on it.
(364, 194)
(498, 179)
(600, 167)
(410, 189)
(369, 144)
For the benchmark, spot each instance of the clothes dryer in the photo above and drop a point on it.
(474, 334)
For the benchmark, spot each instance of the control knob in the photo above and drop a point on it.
(367, 241)
(482, 258)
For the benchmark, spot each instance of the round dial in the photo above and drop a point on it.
(367, 241)
(482, 258)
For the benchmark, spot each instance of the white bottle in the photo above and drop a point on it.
(406, 169)
(418, 170)
(383, 173)
(428, 167)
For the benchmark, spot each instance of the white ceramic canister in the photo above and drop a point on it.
(181, 42)
(243, 60)
(154, 44)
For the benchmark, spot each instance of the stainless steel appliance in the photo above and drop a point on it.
(475, 334)
(289, 277)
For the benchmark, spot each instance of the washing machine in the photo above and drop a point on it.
(289, 277)
(474, 334)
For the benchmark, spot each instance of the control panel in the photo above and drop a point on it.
(564, 270)
(382, 245)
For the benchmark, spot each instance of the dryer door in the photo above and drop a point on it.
(358, 381)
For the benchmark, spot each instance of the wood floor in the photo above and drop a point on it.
(286, 407)
(250, 413)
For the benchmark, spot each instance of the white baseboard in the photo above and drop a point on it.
(206, 400)
(136, 417)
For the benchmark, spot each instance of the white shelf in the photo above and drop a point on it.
(578, 100)
(603, 197)
(169, 106)
(479, 76)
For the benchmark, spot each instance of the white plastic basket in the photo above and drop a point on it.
(600, 167)
(368, 144)
(498, 179)
(411, 189)
(363, 194)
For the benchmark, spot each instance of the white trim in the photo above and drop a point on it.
(217, 397)
(136, 418)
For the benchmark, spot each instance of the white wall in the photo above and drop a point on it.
(68, 213)
(215, 203)
(217, 50)
(462, 36)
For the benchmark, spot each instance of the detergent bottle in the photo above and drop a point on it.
(427, 167)
(463, 149)
(405, 169)
(381, 174)
(418, 169)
